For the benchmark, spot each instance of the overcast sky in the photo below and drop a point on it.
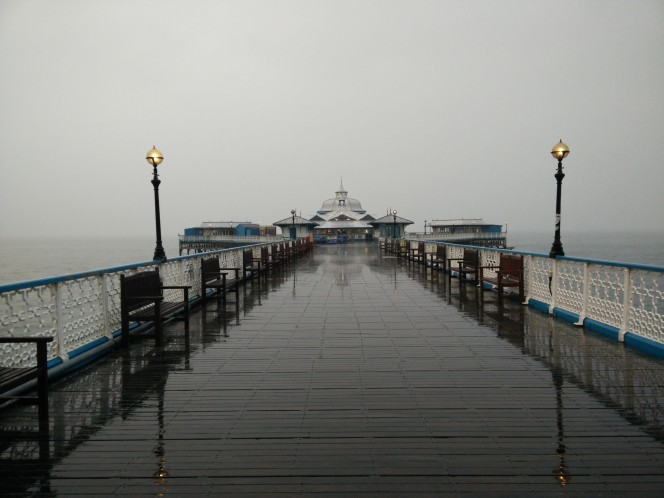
(439, 109)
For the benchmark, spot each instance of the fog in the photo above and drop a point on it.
(440, 109)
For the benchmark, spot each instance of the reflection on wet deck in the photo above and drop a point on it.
(351, 373)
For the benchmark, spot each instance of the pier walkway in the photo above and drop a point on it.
(352, 373)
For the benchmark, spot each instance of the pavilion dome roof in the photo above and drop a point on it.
(341, 201)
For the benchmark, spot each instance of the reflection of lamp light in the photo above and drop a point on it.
(561, 471)
(160, 451)
(162, 473)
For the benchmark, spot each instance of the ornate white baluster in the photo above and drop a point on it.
(104, 301)
(584, 300)
(58, 320)
(627, 303)
(527, 267)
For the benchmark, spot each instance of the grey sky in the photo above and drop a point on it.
(440, 109)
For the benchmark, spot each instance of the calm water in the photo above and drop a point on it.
(30, 259)
(646, 248)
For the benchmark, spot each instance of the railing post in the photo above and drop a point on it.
(584, 298)
(627, 303)
(58, 320)
(527, 267)
(553, 284)
(104, 303)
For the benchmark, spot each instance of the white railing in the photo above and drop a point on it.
(82, 311)
(246, 239)
(620, 299)
(457, 236)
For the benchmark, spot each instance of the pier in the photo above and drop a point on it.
(351, 371)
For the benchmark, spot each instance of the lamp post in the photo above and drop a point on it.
(394, 224)
(425, 227)
(560, 151)
(293, 225)
(154, 157)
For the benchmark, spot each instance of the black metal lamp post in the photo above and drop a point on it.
(293, 226)
(394, 224)
(560, 151)
(155, 158)
(425, 227)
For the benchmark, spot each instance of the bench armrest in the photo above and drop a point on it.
(11, 340)
(151, 298)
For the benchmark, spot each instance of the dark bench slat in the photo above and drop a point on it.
(142, 300)
(250, 265)
(468, 264)
(13, 377)
(216, 278)
(147, 314)
(509, 273)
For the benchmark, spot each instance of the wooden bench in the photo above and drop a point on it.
(395, 247)
(469, 264)
(276, 256)
(302, 247)
(216, 278)
(412, 253)
(406, 251)
(13, 377)
(422, 255)
(250, 265)
(142, 300)
(438, 260)
(401, 248)
(509, 273)
(265, 259)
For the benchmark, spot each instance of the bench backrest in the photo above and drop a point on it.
(511, 265)
(209, 269)
(247, 257)
(471, 257)
(135, 289)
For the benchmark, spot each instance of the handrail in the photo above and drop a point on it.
(624, 301)
(82, 310)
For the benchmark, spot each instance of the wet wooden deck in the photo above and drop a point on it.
(351, 373)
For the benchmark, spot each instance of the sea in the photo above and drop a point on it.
(25, 259)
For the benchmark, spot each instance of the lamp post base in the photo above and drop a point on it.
(159, 254)
(556, 250)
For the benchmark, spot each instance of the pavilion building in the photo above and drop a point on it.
(341, 219)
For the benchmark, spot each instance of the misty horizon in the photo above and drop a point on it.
(440, 110)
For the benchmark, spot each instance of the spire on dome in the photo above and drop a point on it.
(341, 192)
